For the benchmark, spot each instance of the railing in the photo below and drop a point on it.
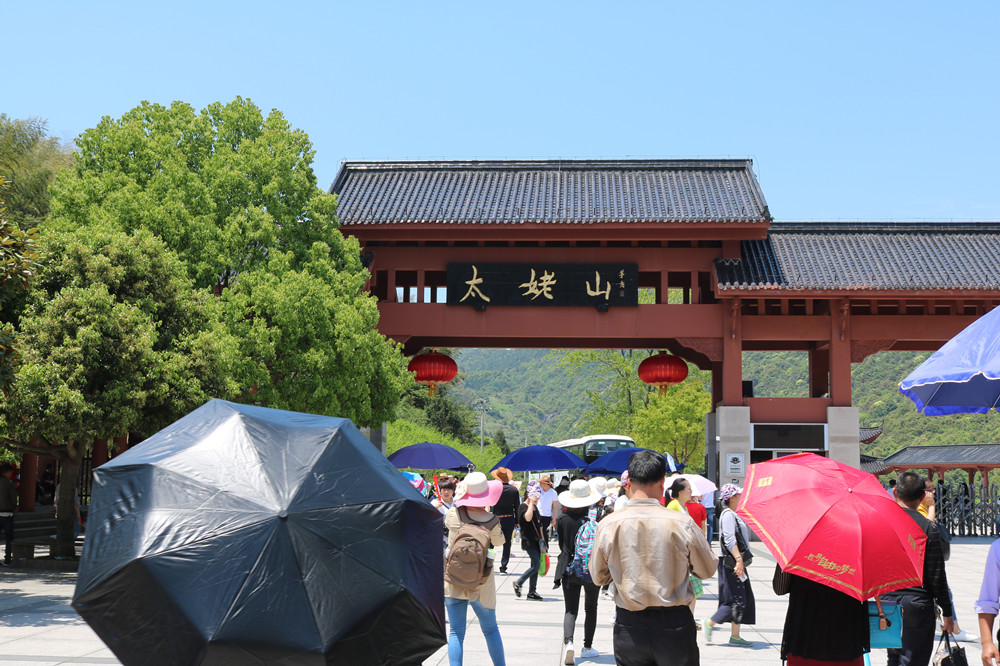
(968, 510)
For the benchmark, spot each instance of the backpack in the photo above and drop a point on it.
(467, 564)
(580, 566)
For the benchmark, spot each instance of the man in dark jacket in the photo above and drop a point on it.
(506, 511)
(919, 624)
(8, 506)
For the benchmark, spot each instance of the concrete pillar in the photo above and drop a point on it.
(711, 449)
(733, 429)
(377, 436)
(843, 434)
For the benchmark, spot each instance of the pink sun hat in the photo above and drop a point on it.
(479, 491)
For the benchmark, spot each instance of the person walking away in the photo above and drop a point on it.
(579, 509)
(473, 495)
(918, 602)
(648, 552)
(530, 523)
(822, 625)
(736, 601)
(546, 506)
(708, 501)
(8, 507)
(506, 511)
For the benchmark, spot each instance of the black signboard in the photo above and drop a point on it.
(595, 285)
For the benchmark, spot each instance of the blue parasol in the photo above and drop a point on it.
(428, 455)
(963, 376)
(540, 458)
(616, 462)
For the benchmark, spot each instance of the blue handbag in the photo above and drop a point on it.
(885, 624)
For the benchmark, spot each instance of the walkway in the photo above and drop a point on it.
(39, 628)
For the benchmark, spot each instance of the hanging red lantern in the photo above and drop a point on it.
(433, 368)
(663, 370)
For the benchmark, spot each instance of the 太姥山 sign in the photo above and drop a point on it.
(540, 283)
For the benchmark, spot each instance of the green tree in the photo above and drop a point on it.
(613, 409)
(308, 340)
(114, 340)
(674, 423)
(500, 440)
(30, 161)
(233, 193)
(19, 256)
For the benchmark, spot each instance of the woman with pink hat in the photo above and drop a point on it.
(472, 497)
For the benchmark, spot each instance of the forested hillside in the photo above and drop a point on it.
(534, 401)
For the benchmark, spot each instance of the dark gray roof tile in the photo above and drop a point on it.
(955, 455)
(549, 191)
(852, 256)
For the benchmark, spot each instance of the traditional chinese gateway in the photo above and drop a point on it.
(555, 254)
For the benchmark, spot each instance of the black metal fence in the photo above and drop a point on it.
(966, 510)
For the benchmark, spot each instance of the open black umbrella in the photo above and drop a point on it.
(246, 535)
(540, 458)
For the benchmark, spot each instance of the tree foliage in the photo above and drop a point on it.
(19, 259)
(233, 194)
(114, 340)
(30, 161)
(613, 410)
(674, 422)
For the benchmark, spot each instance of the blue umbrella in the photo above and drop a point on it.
(616, 462)
(428, 455)
(963, 376)
(541, 459)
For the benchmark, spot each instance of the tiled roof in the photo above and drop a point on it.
(873, 465)
(854, 256)
(549, 192)
(955, 455)
(867, 435)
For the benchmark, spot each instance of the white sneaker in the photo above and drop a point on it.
(965, 636)
(567, 653)
(588, 652)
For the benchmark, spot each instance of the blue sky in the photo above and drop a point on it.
(850, 110)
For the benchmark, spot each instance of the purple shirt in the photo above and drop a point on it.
(989, 594)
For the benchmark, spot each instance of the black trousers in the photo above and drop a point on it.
(507, 524)
(571, 586)
(658, 636)
(7, 525)
(919, 629)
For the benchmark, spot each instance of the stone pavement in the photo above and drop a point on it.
(39, 628)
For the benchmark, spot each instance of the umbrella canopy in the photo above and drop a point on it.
(847, 533)
(963, 376)
(616, 462)
(540, 458)
(699, 484)
(429, 455)
(248, 535)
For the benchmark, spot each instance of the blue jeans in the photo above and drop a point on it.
(457, 609)
(534, 552)
(709, 520)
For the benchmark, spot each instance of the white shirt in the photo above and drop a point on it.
(621, 502)
(545, 502)
(708, 500)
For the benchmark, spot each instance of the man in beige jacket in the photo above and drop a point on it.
(650, 552)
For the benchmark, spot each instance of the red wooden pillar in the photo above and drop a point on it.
(99, 453)
(26, 489)
(819, 372)
(732, 356)
(840, 354)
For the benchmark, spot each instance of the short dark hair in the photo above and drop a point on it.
(677, 487)
(447, 484)
(646, 467)
(6, 467)
(910, 486)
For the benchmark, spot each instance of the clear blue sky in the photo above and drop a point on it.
(850, 110)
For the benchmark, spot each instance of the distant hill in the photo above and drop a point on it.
(533, 401)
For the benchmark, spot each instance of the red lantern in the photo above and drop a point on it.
(433, 368)
(663, 370)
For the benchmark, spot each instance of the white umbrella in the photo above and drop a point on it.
(699, 484)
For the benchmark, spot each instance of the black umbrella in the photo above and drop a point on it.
(246, 535)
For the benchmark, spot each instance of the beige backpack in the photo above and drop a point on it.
(467, 564)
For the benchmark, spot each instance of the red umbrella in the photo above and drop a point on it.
(833, 524)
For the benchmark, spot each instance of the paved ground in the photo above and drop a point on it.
(38, 627)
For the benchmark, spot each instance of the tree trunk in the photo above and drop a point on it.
(66, 507)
